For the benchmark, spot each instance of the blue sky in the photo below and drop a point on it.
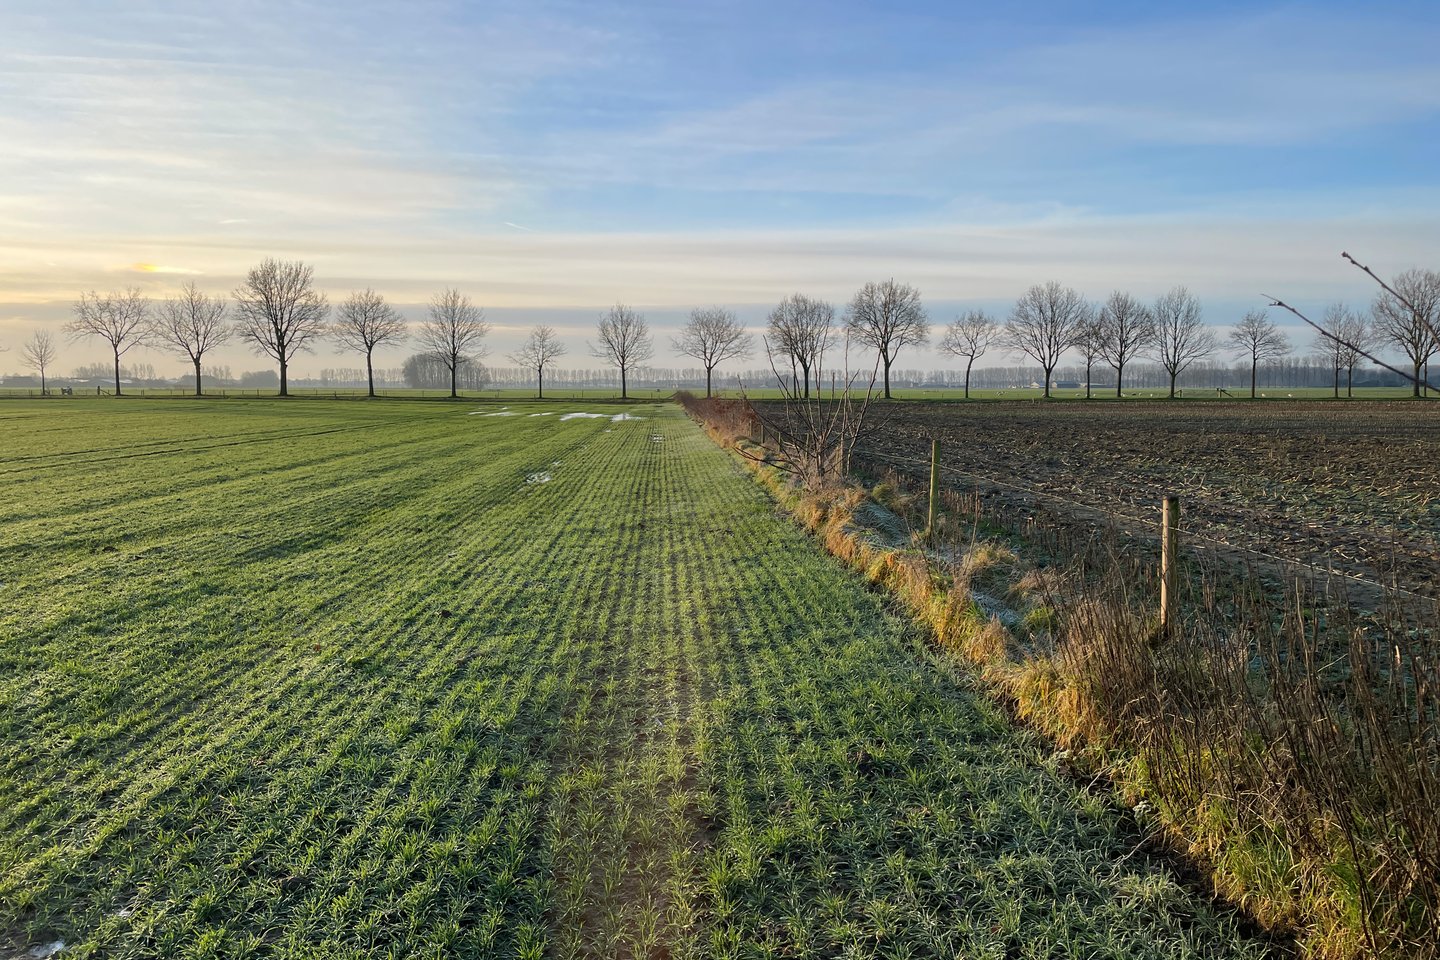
(565, 155)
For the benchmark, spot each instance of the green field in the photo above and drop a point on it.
(396, 680)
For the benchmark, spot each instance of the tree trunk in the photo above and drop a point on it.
(42, 381)
(886, 365)
(707, 382)
(1350, 383)
(117, 375)
(1047, 382)
(454, 369)
(1337, 382)
(284, 379)
(1087, 379)
(623, 394)
(1173, 375)
(1253, 364)
(540, 383)
(197, 377)
(1416, 384)
(967, 377)
(370, 372)
(1119, 381)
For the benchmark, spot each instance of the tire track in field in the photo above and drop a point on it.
(627, 872)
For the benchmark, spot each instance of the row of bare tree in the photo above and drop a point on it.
(279, 313)
(1050, 320)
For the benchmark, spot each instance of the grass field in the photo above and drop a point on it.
(396, 680)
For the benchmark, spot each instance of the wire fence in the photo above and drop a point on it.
(1151, 523)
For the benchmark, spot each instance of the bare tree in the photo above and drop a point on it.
(801, 330)
(1355, 335)
(623, 340)
(1087, 344)
(193, 322)
(40, 354)
(887, 317)
(712, 336)
(1362, 349)
(1329, 346)
(363, 323)
(1407, 315)
(280, 312)
(453, 333)
(970, 336)
(1181, 337)
(1046, 322)
(1258, 339)
(1126, 329)
(816, 440)
(540, 351)
(118, 318)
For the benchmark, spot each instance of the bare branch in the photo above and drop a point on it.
(1045, 322)
(802, 330)
(970, 336)
(887, 317)
(40, 354)
(1181, 337)
(365, 322)
(454, 332)
(540, 351)
(193, 323)
(118, 318)
(712, 336)
(280, 312)
(623, 340)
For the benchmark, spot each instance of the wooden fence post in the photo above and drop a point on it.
(934, 486)
(1169, 540)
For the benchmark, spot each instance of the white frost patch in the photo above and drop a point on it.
(582, 416)
(503, 413)
(656, 438)
(544, 477)
(547, 413)
(623, 416)
(45, 950)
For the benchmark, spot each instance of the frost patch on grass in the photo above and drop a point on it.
(546, 413)
(503, 413)
(44, 950)
(582, 416)
(542, 477)
(656, 438)
(623, 416)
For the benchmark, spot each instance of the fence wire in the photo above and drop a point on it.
(1110, 512)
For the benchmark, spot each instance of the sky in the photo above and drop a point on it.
(552, 157)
